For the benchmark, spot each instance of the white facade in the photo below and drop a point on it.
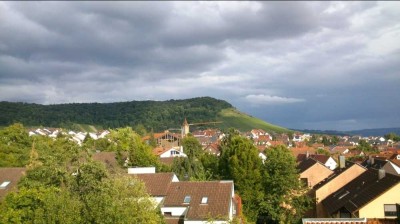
(331, 163)
(173, 152)
(175, 211)
(141, 170)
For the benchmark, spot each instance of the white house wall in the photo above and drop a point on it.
(331, 163)
(175, 211)
(205, 222)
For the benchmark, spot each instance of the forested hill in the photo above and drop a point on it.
(156, 115)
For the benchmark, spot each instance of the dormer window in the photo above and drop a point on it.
(4, 184)
(204, 200)
(187, 199)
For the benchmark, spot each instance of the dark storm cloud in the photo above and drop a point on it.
(299, 64)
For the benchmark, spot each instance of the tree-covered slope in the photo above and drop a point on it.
(156, 115)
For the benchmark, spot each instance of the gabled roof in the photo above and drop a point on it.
(160, 135)
(157, 184)
(360, 191)
(11, 175)
(336, 173)
(306, 164)
(219, 198)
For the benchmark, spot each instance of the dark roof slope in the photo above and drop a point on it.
(319, 157)
(12, 175)
(360, 191)
(306, 164)
(218, 193)
(156, 183)
(374, 162)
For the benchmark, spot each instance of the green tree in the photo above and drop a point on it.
(284, 199)
(15, 146)
(192, 147)
(239, 162)
(71, 188)
(364, 146)
(139, 153)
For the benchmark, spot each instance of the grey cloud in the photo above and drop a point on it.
(336, 62)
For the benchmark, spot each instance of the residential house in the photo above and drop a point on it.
(346, 172)
(157, 184)
(328, 161)
(312, 171)
(382, 163)
(373, 194)
(191, 202)
(171, 152)
(212, 149)
(200, 202)
(9, 178)
(165, 139)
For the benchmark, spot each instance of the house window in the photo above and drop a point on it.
(187, 199)
(390, 210)
(4, 184)
(204, 200)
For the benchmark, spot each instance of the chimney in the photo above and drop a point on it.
(381, 174)
(307, 154)
(342, 162)
(371, 160)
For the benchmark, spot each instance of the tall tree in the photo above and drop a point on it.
(284, 194)
(239, 162)
(126, 140)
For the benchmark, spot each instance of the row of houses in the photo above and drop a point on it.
(77, 137)
(352, 190)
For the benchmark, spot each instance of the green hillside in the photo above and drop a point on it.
(234, 118)
(156, 115)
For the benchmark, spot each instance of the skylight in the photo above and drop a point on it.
(204, 200)
(4, 184)
(346, 193)
(187, 199)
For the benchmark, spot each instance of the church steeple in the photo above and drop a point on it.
(185, 128)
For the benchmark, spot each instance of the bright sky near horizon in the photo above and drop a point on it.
(307, 65)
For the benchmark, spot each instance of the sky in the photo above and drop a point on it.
(303, 65)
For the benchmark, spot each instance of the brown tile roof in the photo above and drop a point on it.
(219, 194)
(159, 150)
(156, 183)
(360, 191)
(303, 150)
(13, 175)
(319, 157)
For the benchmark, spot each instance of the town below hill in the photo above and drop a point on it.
(197, 174)
(362, 132)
